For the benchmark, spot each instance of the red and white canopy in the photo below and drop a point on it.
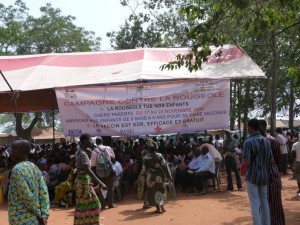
(36, 72)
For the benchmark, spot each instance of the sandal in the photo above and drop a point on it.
(158, 211)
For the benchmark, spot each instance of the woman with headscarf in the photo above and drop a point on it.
(87, 206)
(156, 171)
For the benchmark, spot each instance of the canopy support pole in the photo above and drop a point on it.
(14, 100)
(53, 116)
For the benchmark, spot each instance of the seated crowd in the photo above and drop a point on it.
(191, 161)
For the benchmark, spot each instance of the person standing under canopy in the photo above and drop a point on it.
(87, 207)
(28, 199)
(257, 155)
(274, 186)
(229, 146)
(156, 171)
(284, 150)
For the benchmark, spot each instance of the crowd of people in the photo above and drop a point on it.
(66, 174)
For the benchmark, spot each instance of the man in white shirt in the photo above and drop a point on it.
(296, 157)
(188, 179)
(117, 167)
(213, 152)
(194, 163)
(206, 169)
(284, 151)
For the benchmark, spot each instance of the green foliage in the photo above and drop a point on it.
(252, 20)
(132, 35)
(252, 25)
(52, 32)
(154, 23)
(294, 73)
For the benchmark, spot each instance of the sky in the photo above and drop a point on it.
(100, 16)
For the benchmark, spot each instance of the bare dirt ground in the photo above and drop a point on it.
(214, 208)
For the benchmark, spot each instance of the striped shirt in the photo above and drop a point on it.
(258, 150)
(82, 160)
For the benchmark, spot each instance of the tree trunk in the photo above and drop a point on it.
(232, 104)
(246, 106)
(273, 87)
(291, 105)
(239, 105)
(25, 133)
(19, 128)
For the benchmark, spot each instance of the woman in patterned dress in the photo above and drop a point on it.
(87, 203)
(156, 171)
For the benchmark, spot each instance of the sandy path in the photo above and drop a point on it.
(214, 208)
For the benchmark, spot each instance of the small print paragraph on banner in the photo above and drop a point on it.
(149, 108)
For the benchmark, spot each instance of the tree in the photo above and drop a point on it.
(52, 32)
(44, 119)
(151, 24)
(261, 28)
(11, 27)
(261, 21)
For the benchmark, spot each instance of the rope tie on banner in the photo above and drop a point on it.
(105, 90)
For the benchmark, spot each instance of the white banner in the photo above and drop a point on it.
(141, 109)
